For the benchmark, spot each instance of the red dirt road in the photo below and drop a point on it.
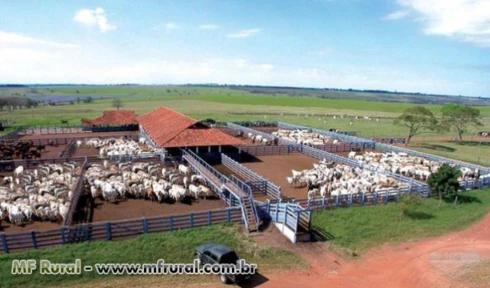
(439, 262)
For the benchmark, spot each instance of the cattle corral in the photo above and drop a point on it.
(277, 168)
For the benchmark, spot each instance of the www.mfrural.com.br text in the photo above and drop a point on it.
(46, 267)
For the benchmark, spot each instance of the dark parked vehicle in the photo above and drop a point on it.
(213, 253)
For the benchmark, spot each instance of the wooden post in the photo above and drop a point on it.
(108, 230)
(336, 201)
(145, 225)
(228, 215)
(362, 198)
(34, 241)
(4, 243)
(63, 236)
(171, 222)
(209, 217)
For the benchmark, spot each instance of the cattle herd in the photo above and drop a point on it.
(21, 149)
(304, 137)
(42, 194)
(484, 134)
(140, 180)
(117, 146)
(334, 179)
(411, 166)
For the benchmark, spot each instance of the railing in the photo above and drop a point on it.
(390, 148)
(390, 140)
(247, 130)
(12, 135)
(114, 230)
(76, 195)
(253, 179)
(68, 150)
(267, 150)
(334, 135)
(416, 186)
(292, 215)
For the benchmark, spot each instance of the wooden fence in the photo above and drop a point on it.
(256, 182)
(267, 150)
(115, 230)
(77, 192)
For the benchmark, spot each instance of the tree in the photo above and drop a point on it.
(445, 181)
(88, 99)
(117, 103)
(460, 118)
(417, 119)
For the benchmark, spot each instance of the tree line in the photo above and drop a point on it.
(454, 117)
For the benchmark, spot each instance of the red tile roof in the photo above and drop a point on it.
(169, 128)
(114, 117)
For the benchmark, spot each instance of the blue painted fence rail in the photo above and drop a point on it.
(115, 229)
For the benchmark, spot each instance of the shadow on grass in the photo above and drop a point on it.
(320, 235)
(435, 147)
(473, 143)
(417, 215)
(462, 199)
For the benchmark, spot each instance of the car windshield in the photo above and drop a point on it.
(230, 258)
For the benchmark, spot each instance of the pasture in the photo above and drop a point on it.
(173, 247)
(357, 230)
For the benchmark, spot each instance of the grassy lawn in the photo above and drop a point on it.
(173, 247)
(358, 229)
(474, 152)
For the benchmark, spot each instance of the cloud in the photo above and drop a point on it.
(244, 33)
(209, 26)
(94, 18)
(7, 38)
(166, 26)
(463, 20)
(397, 15)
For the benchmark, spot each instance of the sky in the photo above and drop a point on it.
(428, 46)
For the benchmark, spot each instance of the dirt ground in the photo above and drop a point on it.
(78, 135)
(85, 151)
(137, 208)
(35, 225)
(277, 168)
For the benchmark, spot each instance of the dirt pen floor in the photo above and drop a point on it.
(277, 168)
(78, 135)
(100, 210)
(35, 225)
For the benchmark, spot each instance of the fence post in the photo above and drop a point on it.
(4, 243)
(268, 207)
(362, 198)
(145, 225)
(228, 215)
(210, 214)
(63, 236)
(34, 241)
(277, 213)
(350, 199)
(337, 201)
(108, 230)
(171, 222)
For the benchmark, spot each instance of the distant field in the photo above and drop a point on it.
(478, 153)
(353, 101)
(223, 104)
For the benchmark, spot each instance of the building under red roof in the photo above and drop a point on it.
(170, 129)
(113, 118)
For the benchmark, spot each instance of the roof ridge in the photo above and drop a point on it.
(180, 132)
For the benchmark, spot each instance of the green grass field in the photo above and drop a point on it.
(359, 229)
(474, 152)
(173, 247)
(225, 104)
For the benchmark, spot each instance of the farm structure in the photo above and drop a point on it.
(115, 120)
(416, 164)
(142, 188)
(182, 132)
(40, 194)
